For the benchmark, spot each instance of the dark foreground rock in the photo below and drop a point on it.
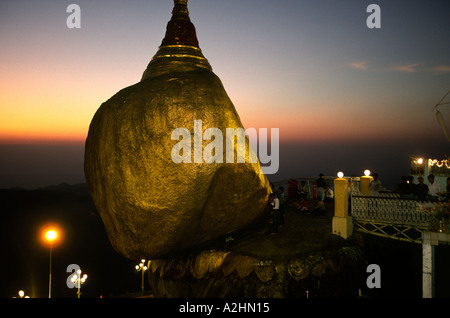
(303, 260)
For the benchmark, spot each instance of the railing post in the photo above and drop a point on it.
(428, 265)
(364, 184)
(342, 222)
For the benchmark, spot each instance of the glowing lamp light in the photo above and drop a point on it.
(141, 266)
(22, 294)
(367, 173)
(420, 161)
(78, 277)
(51, 235)
(340, 174)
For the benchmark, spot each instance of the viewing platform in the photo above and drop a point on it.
(389, 214)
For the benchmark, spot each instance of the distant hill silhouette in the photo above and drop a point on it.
(81, 188)
(25, 260)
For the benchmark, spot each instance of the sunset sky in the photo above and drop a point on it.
(313, 69)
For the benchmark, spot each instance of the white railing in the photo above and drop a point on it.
(390, 210)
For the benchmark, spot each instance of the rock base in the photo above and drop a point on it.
(220, 274)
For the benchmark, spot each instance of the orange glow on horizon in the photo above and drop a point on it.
(300, 123)
(288, 132)
(39, 137)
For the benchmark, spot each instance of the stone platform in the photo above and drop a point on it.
(303, 260)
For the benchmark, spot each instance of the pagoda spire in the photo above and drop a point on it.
(179, 50)
(180, 30)
(180, 8)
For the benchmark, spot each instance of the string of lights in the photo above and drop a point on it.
(440, 164)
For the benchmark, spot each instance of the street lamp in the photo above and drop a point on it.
(141, 267)
(80, 280)
(51, 235)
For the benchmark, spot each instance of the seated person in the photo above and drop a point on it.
(421, 189)
(301, 205)
(433, 188)
(404, 189)
(329, 194)
(303, 191)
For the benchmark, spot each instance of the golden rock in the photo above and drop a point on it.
(152, 206)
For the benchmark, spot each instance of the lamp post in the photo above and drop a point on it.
(141, 267)
(50, 236)
(342, 223)
(77, 279)
(365, 182)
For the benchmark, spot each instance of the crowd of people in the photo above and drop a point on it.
(299, 194)
(432, 191)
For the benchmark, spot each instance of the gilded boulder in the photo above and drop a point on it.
(152, 203)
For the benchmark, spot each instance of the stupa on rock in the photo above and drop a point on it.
(152, 206)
